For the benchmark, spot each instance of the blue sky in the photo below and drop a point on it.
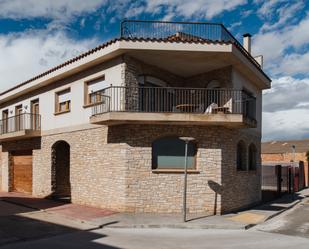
(36, 35)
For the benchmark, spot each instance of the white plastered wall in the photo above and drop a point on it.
(78, 114)
(240, 82)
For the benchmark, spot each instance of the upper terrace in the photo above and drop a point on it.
(207, 46)
(182, 49)
(181, 31)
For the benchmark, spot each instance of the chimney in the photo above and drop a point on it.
(259, 59)
(247, 42)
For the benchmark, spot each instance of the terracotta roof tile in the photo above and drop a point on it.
(180, 38)
(278, 147)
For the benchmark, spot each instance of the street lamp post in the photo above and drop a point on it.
(184, 208)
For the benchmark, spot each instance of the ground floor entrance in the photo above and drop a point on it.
(61, 184)
(21, 171)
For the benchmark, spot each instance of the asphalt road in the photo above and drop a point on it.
(293, 222)
(20, 231)
(166, 238)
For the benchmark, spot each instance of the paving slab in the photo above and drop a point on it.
(89, 217)
(239, 220)
(71, 211)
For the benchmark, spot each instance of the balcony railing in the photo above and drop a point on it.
(24, 121)
(189, 31)
(166, 30)
(176, 100)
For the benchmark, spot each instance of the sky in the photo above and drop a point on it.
(36, 35)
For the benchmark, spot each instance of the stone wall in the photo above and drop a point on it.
(135, 68)
(112, 168)
(240, 188)
(97, 171)
(216, 187)
(222, 75)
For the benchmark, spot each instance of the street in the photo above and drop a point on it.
(25, 228)
(293, 222)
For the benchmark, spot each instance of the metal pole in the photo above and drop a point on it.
(185, 183)
(293, 153)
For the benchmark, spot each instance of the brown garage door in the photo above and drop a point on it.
(22, 171)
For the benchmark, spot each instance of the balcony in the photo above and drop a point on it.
(181, 31)
(167, 30)
(25, 125)
(168, 105)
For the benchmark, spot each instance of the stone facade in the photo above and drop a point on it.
(111, 168)
(217, 187)
(134, 68)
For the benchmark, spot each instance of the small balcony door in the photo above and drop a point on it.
(35, 117)
(5, 121)
(19, 122)
(153, 95)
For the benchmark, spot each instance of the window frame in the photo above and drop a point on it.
(157, 168)
(58, 104)
(5, 121)
(87, 96)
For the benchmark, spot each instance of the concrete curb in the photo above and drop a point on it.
(203, 226)
(283, 210)
(179, 226)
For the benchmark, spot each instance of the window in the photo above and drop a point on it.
(35, 117)
(19, 118)
(63, 101)
(241, 156)
(94, 90)
(169, 153)
(150, 81)
(252, 157)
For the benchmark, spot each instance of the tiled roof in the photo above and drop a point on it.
(183, 38)
(277, 147)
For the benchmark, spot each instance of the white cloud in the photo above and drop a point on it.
(285, 109)
(290, 124)
(17, 9)
(267, 8)
(197, 8)
(283, 47)
(26, 54)
(285, 13)
(286, 94)
(294, 64)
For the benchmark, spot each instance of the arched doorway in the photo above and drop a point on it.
(61, 185)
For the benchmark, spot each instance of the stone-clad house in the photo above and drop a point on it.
(103, 128)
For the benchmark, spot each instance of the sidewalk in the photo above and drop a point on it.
(96, 217)
(239, 220)
(72, 215)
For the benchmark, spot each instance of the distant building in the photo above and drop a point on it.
(287, 151)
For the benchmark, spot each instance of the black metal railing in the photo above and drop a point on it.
(24, 121)
(190, 31)
(176, 100)
(163, 30)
